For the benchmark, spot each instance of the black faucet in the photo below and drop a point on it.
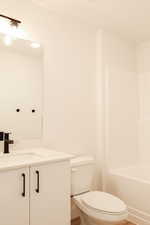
(5, 137)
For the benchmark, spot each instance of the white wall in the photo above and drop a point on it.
(121, 101)
(69, 113)
(143, 66)
(69, 64)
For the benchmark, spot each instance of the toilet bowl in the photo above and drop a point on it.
(95, 207)
(100, 208)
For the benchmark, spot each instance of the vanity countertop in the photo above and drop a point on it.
(30, 157)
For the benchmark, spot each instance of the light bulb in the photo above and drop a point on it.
(13, 31)
(35, 45)
(4, 25)
(8, 40)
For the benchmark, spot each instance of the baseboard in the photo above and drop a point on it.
(138, 217)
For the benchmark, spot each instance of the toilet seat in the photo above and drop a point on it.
(99, 214)
(103, 202)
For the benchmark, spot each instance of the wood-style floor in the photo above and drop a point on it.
(77, 222)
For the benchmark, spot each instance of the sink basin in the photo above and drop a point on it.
(24, 157)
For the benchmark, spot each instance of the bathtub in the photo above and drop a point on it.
(132, 185)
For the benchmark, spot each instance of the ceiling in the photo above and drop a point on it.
(129, 18)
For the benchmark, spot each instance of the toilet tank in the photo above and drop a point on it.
(82, 170)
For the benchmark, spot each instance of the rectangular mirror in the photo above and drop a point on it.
(21, 88)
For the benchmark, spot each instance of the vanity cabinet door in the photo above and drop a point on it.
(50, 194)
(14, 197)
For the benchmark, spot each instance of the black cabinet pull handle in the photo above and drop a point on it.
(24, 185)
(38, 182)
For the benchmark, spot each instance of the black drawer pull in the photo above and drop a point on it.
(24, 185)
(38, 182)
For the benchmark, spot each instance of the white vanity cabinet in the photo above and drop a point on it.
(14, 197)
(37, 195)
(50, 194)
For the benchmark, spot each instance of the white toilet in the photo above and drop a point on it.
(95, 207)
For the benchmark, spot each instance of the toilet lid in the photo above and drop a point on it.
(104, 202)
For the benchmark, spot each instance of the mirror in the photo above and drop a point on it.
(21, 79)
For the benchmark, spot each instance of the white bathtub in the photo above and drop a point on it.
(132, 185)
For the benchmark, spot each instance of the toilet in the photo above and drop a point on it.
(95, 207)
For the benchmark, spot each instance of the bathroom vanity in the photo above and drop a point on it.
(35, 188)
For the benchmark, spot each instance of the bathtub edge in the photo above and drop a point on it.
(138, 217)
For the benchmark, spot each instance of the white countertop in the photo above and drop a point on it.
(30, 157)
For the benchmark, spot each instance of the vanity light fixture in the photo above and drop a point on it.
(13, 22)
(10, 27)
